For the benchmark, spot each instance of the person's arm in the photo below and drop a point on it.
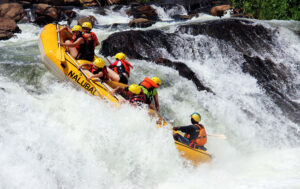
(100, 74)
(185, 129)
(83, 65)
(156, 103)
(97, 41)
(77, 42)
(117, 90)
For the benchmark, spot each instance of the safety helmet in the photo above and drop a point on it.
(196, 116)
(156, 80)
(120, 56)
(77, 28)
(135, 89)
(87, 25)
(99, 62)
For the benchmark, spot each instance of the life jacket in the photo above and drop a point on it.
(149, 85)
(123, 67)
(90, 44)
(80, 48)
(138, 98)
(95, 70)
(201, 138)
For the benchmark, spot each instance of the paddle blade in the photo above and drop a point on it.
(220, 136)
(60, 55)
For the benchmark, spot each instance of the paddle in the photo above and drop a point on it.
(60, 52)
(219, 136)
(108, 60)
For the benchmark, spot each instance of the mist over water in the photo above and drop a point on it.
(53, 135)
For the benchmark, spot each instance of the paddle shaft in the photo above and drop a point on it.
(220, 136)
(108, 60)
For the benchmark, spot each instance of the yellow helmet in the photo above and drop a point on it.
(156, 80)
(120, 56)
(77, 28)
(87, 25)
(135, 89)
(99, 62)
(196, 117)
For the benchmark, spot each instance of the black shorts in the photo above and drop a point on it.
(123, 79)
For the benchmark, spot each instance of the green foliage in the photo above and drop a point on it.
(270, 9)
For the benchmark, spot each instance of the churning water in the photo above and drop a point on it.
(53, 135)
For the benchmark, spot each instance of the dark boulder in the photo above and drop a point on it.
(184, 71)
(145, 45)
(242, 35)
(12, 10)
(7, 28)
(276, 81)
(146, 12)
(140, 22)
(45, 14)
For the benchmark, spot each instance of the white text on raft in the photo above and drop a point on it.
(82, 82)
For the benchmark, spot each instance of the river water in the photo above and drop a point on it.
(53, 135)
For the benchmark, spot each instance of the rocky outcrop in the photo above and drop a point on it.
(185, 17)
(274, 79)
(145, 45)
(146, 12)
(240, 34)
(184, 71)
(90, 19)
(7, 28)
(12, 10)
(45, 14)
(140, 22)
(219, 10)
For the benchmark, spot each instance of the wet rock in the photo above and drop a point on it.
(146, 12)
(242, 35)
(185, 17)
(219, 10)
(140, 22)
(45, 14)
(7, 28)
(89, 3)
(70, 15)
(12, 10)
(145, 45)
(184, 71)
(276, 81)
(90, 19)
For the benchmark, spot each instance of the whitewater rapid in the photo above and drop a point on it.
(53, 135)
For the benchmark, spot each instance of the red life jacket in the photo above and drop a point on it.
(125, 67)
(201, 139)
(96, 70)
(148, 83)
(90, 45)
(80, 48)
(138, 98)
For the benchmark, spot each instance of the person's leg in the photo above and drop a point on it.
(72, 50)
(181, 139)
(113, 75)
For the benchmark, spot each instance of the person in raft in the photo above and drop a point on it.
(134, 94)
(149, 87)
(77, 46)
(97, 68)
(121, 67)
(195, 134)
(90, 39)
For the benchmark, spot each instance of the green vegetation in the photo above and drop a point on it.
(270, 9)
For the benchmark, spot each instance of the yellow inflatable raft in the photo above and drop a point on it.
(64, 66)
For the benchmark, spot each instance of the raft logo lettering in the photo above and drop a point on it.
(82, 82)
